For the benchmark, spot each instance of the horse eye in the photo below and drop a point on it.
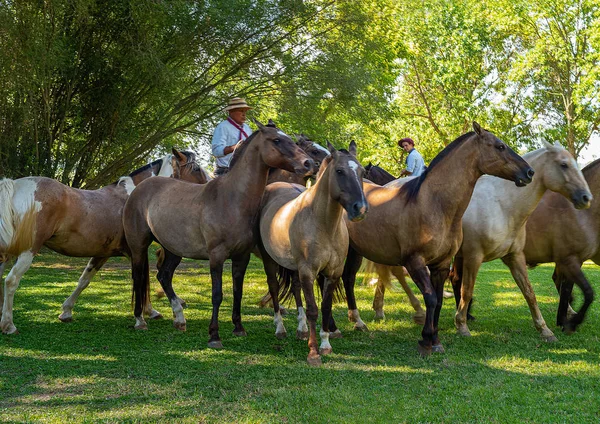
(276, 141)
(339, 171)
(564, 165)
(501, 147)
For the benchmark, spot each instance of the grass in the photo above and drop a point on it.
(99, 369)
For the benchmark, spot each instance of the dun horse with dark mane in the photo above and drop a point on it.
(214, 221)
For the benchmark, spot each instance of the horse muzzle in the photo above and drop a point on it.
(582, 199)
(523, 180)
(307, 168)
(358, 211)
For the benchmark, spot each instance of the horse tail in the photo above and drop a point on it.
(339, 293)
(17, 231)
(285, 280)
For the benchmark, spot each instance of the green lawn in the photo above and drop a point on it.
(99, 369)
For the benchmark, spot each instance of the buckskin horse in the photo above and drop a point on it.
(39, 211)
(213, 221)
(302, 231)
(419, 225)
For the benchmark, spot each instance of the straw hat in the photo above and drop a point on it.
(237, 103)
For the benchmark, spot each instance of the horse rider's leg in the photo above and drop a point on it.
(351, 267)
(518, 268)
(302, 330)
(469, 269)
(271, 267)
(168, 264)
(439, 275)
(334, 331)
(571, 269)
(90, 270)
(216, 260)
(238, 271)
(383, 281)
(419, 316)
(11, 283)
(329, 287)
(420, 275)
(307, 279)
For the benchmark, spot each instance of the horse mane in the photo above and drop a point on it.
(239, 152)
(385, 174)
(412, 187)
(591, 166)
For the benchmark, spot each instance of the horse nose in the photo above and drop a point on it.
(359, 210)
(309, 164)
(530, 173)
(585, 200)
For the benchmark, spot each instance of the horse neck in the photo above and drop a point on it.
(592, 176)
(328, 212)
(450, 183)
(246, 181)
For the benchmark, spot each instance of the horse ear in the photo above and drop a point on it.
(271, 123)
(331, 149)
(477, 128)
(549, 146)
(178, 155)
(352, 148)
(258, 124)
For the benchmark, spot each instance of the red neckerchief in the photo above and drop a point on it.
(239, 127)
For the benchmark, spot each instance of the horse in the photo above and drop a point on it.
(377, 174)
(214, 221)
(39, 211)
(419, 225)
(559, 232)
(303, 230)
(494, 227)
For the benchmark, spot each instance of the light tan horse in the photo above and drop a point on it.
(214, 221)
(39, 211)
(419, 225)
(304, 231)
(558, 232)
(494, 227)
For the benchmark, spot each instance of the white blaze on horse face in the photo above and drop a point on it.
(353, 166)
(282, 133)
(318, 146)
(166, 169)
(128, 183)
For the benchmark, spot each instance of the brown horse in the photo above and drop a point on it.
(304, 231)
(39, 211)
(214, 221)
(558, 232)
(312, 149)
(494, 227)
(419, 225)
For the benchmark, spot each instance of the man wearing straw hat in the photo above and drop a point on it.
(229, 133)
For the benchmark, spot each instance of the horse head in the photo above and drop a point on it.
(563, 176)
(497, 159)
(317, 152)
(278, 150)
(186, 168)
(346, 181)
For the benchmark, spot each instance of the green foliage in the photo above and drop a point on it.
(98, 369)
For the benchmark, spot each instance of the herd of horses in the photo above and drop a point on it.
(477, 201)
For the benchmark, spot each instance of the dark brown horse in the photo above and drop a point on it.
(312, 149)
(214, 221)
(377, 174)
(419, 225)
(558, 232)
(38, 211)
(304, 231)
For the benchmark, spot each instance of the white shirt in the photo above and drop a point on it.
(226, 135)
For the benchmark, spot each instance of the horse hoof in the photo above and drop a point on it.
(283, 311)
(154, 315)
(215, 344)
(337, 334)
(551, 339)
(438, 348)
(65, 318)
(301, 335)
(281, 335)
(11, 330)
(419, 318)
(463, 331)
(379, 315)
(181, 326)
(423, 350)
(351, 317)
(359, 327)
(240, 333)
(141, 327)
(325, 351)
(314, 360)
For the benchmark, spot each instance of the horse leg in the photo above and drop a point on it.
(351, 267)
(419, 274)
(334, 331)
(468, 271)
(302, 330)
(329, 287)
(88, 273)
(312, 312)
(383, 281)
(565, 293)
(2, 265)
(238, 271)
(518, 268)
(439, 274)
(217, 258)
(419, 316)
(168, 264)
(11, 284)
(571, 269)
